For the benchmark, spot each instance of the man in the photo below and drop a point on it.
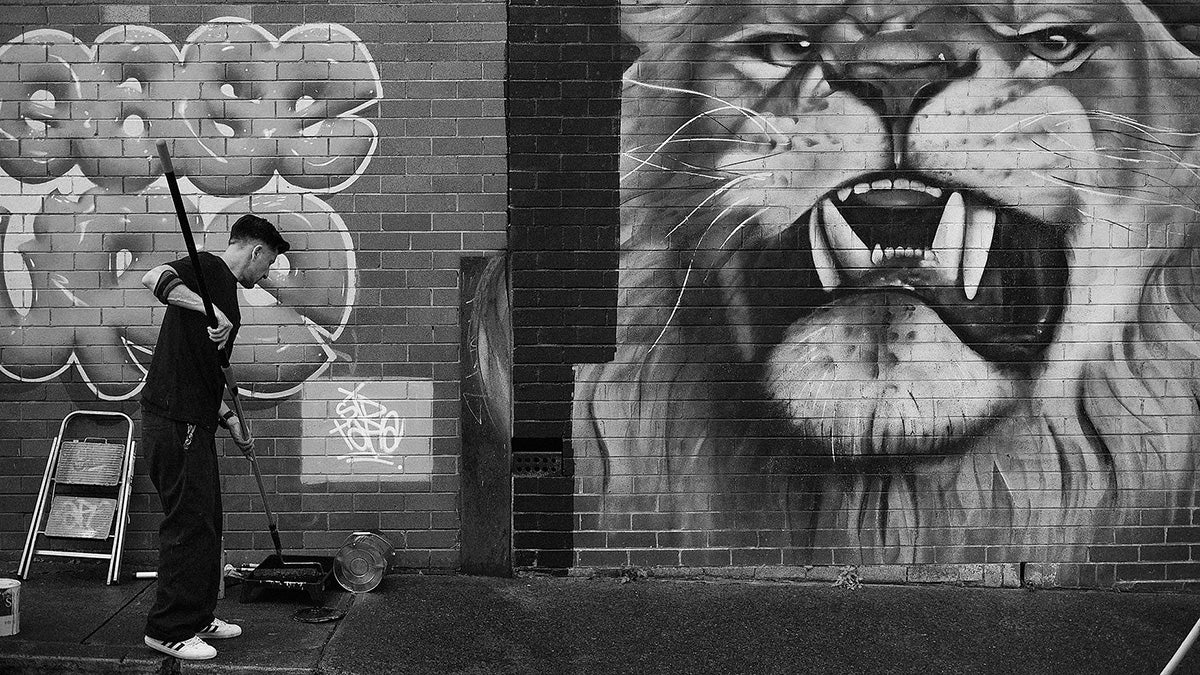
(182, 405)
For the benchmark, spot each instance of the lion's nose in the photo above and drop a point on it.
(896, 73)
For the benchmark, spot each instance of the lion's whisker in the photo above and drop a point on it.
(1030, 120)
(1059, 153)
(1103, 193)
(668, 139)
(1119, 226)
(742, 224)
(1153, 177)
(1110, 153)
(1092, 152)
(716, 218)
(1165, 159)
(1105, 115)
(1145, 139)
(749, 113)
(1164, 182)
(691, 186)
(726, 256)
(697, 167)
(674, 310)
(757, 158)
(697, 139)
(714, 194)
(1130, 122)
(683, 286)
(724, 211)
(696, 172)
(628, 196)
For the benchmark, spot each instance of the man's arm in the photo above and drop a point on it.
(166, 285)
(229, 419)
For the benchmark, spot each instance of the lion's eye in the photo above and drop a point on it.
(780, 49)
(1057, 44)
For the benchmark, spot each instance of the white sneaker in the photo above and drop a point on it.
(191, 649)
(220, 630)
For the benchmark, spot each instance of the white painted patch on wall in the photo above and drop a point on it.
(355, 431)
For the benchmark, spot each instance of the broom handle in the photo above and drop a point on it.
(181, 213)
(262, 491)
(164, 157)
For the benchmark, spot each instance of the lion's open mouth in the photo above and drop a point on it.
(995, 276)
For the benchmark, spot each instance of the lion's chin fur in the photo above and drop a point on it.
(1043, 482)
(881, 374)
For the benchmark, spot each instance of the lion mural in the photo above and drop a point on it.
(901, 279)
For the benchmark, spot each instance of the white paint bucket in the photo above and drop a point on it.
(362, 561)
(10, 607)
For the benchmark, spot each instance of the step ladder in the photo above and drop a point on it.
(83, 505)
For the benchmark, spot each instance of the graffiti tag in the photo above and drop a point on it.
(370, 429)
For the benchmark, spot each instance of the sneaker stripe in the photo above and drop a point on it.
(193, 648)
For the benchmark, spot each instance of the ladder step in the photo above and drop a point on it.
(58, 553)
(80, 517)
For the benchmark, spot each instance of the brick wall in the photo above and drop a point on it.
(564, 62)
(811, 368)
(753, 388)
(372, 132)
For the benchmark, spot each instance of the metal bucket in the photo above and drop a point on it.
(362, 561)
(10, 607)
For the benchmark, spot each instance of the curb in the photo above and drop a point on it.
(23, 657)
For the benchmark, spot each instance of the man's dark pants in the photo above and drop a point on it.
(183, 468)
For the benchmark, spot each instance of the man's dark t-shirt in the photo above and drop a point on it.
(184, 382)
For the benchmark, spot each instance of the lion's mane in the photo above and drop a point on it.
(668, 433)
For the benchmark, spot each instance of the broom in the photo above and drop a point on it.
(283, 570)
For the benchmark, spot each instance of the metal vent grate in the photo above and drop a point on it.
(537, 463)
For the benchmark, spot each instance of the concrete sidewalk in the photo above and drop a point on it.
(72, 623)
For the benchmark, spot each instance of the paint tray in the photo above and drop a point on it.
(310, 575)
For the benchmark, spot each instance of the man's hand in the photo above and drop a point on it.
(245, 442)
(221, 333)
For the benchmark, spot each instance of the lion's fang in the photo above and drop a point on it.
(977, 244)
(822, 260)
(963, 242)
(948, 242)
(851, 253)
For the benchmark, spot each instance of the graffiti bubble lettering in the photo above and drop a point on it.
(371, 431)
